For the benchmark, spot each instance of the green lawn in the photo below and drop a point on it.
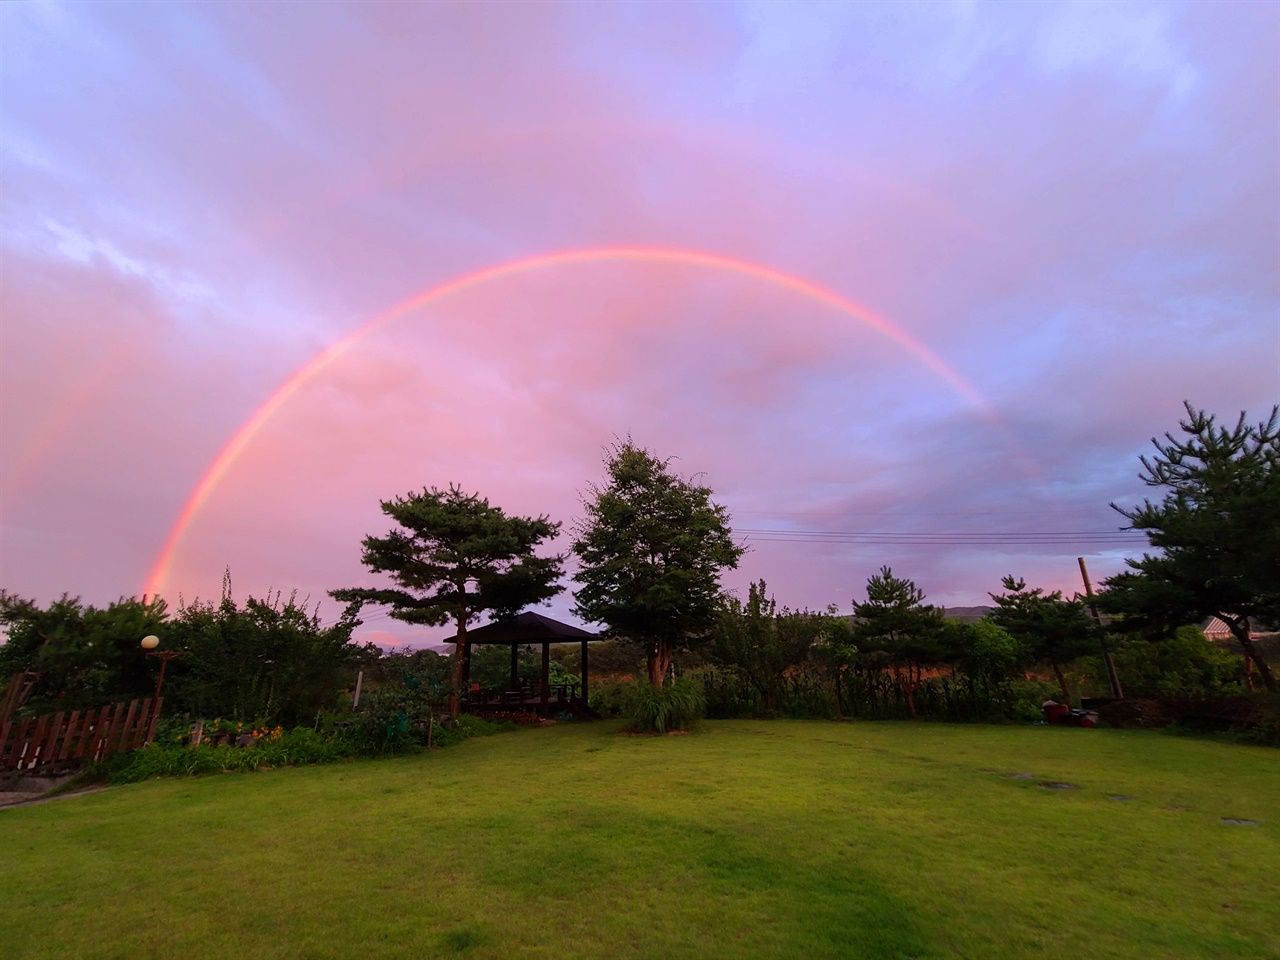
(746, 839)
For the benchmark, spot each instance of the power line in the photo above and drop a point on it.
(950, 538)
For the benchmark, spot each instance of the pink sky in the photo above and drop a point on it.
(1075, 207)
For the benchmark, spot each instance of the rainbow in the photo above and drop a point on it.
(229, 454)
(59, 420)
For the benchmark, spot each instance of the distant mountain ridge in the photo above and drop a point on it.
(968, 614)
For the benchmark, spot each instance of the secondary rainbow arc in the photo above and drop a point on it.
(226, 458)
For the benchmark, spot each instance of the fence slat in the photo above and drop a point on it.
(86, 733)
(69, 737)
(102, 735)
(49, 752)
(146, 722)
(6, 744)
(122, 737)
(36, 743)
(108, 738)
(133, 738)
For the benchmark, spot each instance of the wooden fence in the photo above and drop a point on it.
(15, 695)
(61, 739)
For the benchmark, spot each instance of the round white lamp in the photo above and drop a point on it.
(150, 642)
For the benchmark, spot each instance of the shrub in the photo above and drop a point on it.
(677, 706)
(1183, 665)
(465, 726)
(1263, 727)
(1021, 700)
(614, 698)
(296, 747)
(728, 694)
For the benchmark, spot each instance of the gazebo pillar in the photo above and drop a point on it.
(515, 666)
(546, 675)
(585, 698)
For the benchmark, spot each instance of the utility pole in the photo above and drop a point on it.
(1117, 692)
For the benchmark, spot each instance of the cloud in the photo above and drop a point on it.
(1073, 206)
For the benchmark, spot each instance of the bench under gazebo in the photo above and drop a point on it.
(523, 630)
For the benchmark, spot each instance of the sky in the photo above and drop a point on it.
(904, 284)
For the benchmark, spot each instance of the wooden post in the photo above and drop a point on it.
(1112, 674)
(546, 675)
(515, 667)
(355, 701)
(585, 698)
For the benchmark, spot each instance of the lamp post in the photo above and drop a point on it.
(149, 644)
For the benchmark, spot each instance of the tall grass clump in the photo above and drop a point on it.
(677, 706)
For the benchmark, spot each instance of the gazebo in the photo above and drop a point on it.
(527, 629)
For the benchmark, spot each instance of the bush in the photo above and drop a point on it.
(727, 693)
(463, 727)
(677, 706)
(1021, 699)
(614, 698)
(1183, 665)
(1263, 727)
(172, 757)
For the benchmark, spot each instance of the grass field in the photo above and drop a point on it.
(745, 839)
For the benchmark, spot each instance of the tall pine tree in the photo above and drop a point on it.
(454, 558)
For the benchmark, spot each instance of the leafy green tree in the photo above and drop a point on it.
(763, 642)
(983, 650)
(894, 621)
(1217, 529)
(86, 656)
(1185, 664)
(425, 668)
(651, 546)
(270, 659)
(1053, 630)
(456, 558)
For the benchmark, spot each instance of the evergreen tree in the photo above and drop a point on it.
(1052, 630)
(652, 546)
(895, 621)
(1217, 529)
(454, 558)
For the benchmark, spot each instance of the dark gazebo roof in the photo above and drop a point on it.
(527, 628)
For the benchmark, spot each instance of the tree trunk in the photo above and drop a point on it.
(1240, 629)
(908, 687)
(659, 663)
(455, 698)
(1062, 682)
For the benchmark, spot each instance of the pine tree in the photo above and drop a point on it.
(456, 558)
(895, 620)
(652, 546)
(1217, 529)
